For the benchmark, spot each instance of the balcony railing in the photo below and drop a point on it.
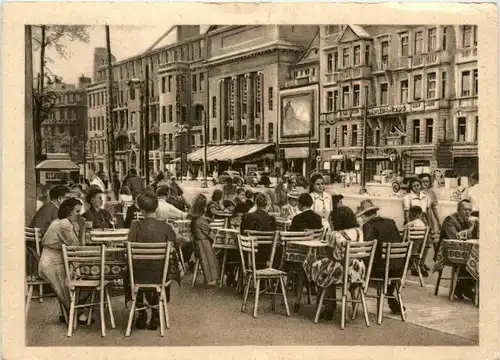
(468, 102)
(466, 55)
(301, 81)
(172, 64)
(331, 78)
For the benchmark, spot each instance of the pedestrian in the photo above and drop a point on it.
(472, 193)
(116, 186)
(134, 183)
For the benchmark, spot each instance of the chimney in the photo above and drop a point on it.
(84, 81)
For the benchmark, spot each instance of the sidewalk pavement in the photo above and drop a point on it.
(209, 316)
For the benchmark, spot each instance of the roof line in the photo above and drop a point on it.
(308, 47)
(161, 38)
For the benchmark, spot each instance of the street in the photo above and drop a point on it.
(209, 316)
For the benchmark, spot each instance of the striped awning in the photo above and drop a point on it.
(227, 152)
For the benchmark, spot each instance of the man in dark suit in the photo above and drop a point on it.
(383, 230)
(259, 219)
(306, 219)
(243, 201)
(48, 212)
(461, 225)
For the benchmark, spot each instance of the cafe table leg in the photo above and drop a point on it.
(223, 268)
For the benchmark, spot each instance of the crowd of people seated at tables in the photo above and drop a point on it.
(66, 212)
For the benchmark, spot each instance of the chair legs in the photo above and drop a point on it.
(400, 300)
(440, 275)
(256, 303)
(344, 311)
(245, 295)
(28, 299)
(161, 310)
(283, 291)
(91, 310)
(320, 305)
(165, 309)
(110, 309)
(40, 293)
(71, 319)
(196, 268)
(380, 305)
(365, 308)
(131, 313)
(101, 311)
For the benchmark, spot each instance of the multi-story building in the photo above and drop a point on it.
(64, 128)
(246, 67)
(96, 139)
(420, 84)
(299, 112)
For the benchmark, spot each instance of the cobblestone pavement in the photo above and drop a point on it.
(207, 316)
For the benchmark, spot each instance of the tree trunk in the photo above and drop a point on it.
(39, 105)
(29, 149)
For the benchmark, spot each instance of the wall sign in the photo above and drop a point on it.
(386, 110)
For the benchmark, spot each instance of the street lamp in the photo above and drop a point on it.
(144, 126)
(362, 190)
(205, 132)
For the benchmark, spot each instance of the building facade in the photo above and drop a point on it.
(247, 66)
(420, 87)
(63, 130)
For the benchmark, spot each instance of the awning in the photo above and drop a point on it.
(227, 152)
(297, 153)
(57, 165)
(337, 157)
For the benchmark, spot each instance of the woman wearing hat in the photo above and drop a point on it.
(288, 211)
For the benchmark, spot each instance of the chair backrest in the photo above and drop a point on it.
(149, 251)
(84, 262)
(218, 223)
(116, 236)
(265, 238)
(33, 235)
(225, 236)
(363, 251)
(319, 234)
(247, 248)
(419, 236)
(394, 251)
(283, 224)
(291, 252)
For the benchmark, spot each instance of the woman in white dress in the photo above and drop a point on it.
(322, 201)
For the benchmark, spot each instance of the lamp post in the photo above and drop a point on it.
(204, 184)
(362, 190)
(144, 122)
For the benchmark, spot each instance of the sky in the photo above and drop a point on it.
(126, 41)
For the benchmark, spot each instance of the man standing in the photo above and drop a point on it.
(472, 192)
(306, 219)
(134, 182)
(460, 225)
(116, 186)
(384, 231)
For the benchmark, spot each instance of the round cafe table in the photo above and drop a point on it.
(225, 240)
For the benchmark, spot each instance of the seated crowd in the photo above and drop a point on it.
(66, 212)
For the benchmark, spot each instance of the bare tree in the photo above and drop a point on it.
(47, 37)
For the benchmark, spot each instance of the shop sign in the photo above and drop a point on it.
(56, 175)
(386, 110)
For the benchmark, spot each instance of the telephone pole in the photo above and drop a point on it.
(109, 108)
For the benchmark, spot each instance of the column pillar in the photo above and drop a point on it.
(237, 106)
(223, 109)
(455, 128)
(250, 105)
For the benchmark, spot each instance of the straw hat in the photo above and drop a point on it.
(365, 206)
(293, 194)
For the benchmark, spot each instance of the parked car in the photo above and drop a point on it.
(299, 179)
(255, 178)
(234, 175)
